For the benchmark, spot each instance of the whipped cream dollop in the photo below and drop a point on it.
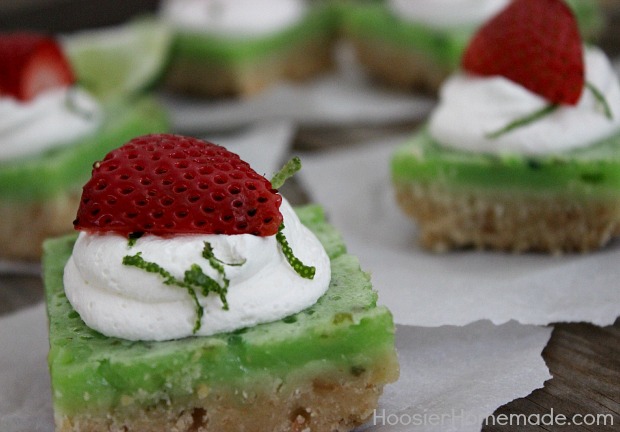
(447, 13)
(233, 18)
(129, 303)
(471, 108)
(52, 119)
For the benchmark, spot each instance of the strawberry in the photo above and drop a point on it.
(30, 64)
(167, 184)
(534, 43)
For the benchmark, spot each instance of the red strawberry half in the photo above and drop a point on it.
(169, 184)
(534, 43)
(31, 64)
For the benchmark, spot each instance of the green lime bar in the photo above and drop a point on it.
(563, 202)
(53, 172)
(593, 171)
(232, 51)
(323, 367)
(375, 21)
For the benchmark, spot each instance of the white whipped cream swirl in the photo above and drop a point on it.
(471, 108)
(129, 303)
(52, 119)
(233, 18)
(447, 13)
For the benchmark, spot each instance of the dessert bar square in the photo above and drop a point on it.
(321, 369)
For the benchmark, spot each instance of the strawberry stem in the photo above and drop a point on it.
(523, 121)
(600, 98)
(288, 170)
(306, 272)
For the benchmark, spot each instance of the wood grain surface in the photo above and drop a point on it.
(585, 363)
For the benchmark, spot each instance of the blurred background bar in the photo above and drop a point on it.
(61, 16)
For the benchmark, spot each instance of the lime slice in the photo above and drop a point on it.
(119, 62)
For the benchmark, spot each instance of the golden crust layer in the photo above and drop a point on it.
(398, 67)
(449, 218)
(26, 224)
(335, 401)
(203, 78)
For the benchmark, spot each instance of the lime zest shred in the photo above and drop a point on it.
(151, 267)
(523, 121)
(194, 279)
(600, 98)
(306, 272)
(218, 265)
(133, 237)
(287, 171)
(548, 109)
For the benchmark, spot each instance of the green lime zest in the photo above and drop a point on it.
(133, 237)
(194, 279)
(523, 121)
(530, 118)
(218, 265)
(287, 171)
(600, 98)
(151, 267)
(306, 272)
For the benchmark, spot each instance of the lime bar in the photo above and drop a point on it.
(322, 369)
(211, 65)
(39, 194)
(50, 173)
(410, 54)
(563, 202)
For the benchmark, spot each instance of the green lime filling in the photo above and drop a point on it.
(92, 372)
(593, 171)
(320, 22)
(589, 17)
(375, 21)
(47, 174)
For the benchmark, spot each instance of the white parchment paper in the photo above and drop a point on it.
(453, 378)
(456, 288)
(25, 393)
(263, 145)
(458, 374)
